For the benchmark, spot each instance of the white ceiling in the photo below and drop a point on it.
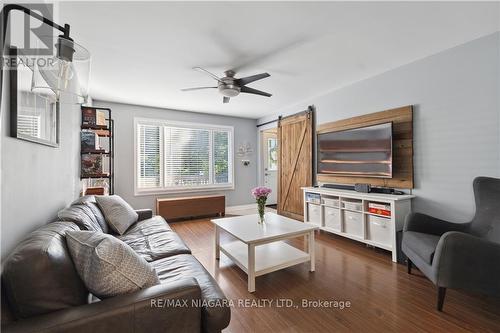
(142, 53)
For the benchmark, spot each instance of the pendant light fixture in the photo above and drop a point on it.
(66, 73)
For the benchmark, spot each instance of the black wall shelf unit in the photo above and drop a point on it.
(104, 149)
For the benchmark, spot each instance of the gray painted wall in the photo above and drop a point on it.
(244, 131)
(456, 120)
(36, 180)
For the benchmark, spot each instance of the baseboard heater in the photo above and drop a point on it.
(191, 207)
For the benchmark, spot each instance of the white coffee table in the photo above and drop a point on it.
(259, 249)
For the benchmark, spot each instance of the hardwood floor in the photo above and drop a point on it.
(383, 297)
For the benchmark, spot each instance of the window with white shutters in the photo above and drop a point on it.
(221, 156)
(28, 125)
(174, 156)
(149, 156)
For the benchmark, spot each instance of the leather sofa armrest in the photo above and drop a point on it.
(162, 308)
(427, 224)
(464, 261)
(144, 214)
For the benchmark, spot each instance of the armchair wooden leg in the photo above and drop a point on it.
(440, 300)
(408, 265)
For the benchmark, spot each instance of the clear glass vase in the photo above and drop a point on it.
(261, 207)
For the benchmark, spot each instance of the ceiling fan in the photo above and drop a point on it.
(229, 86)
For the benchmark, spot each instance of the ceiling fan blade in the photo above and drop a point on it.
(249, 79)
(197, 88)
(209, 73)
(249, 90)
(243, 60)
(225, 99)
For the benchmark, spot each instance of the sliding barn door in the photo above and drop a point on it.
(295, 137)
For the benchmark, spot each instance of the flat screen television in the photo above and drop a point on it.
(362, 152)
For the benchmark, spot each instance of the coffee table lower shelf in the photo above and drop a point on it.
(260, 249)
(268, 257)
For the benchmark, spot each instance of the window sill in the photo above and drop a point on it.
(139, 193)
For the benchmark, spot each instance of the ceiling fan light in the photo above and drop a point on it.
(230, 86)
(229, 91)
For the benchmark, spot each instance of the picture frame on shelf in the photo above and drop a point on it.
(91, 165)
(89, 141)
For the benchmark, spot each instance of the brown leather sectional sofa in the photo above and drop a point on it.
(42, 292)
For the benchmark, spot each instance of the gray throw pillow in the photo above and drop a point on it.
(107, 266)
(82, 215)
(117, 212)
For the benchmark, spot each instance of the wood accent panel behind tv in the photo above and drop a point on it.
(402, 141)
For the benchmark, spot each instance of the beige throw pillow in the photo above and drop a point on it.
(107, 266)
(118, 213)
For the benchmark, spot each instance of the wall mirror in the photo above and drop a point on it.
(33, 117)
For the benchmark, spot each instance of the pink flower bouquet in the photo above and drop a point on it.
(260, 194)
(261, 191)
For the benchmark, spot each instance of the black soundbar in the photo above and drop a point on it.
(338, 187)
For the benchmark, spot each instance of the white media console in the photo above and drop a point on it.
(345, 213)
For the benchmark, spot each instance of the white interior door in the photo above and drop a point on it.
(270, 163)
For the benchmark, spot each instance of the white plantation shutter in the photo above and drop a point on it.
(149, 156)
(28, 125)
(221, 156)
(187, 157)
(183, 156)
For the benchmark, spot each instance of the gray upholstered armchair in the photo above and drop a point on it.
(459, 255)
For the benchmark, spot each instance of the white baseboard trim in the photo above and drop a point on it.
(230, 209)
